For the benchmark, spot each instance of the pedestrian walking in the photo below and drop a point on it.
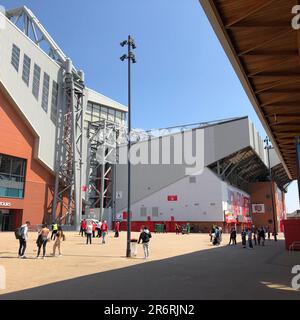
(249, 233)
(82, 227)
(57, 245)
(177, 229)
(104, 231)
(22, 235)
(262, 235)
(54, 230)
(255, 236)
(42, 241)
(94, 228)
(117, 229)
(145, 237)
(98, 228)
(89, 232)
(269, 233)
(165, 227)
(244, 234)
(212, 232)
(233, 236)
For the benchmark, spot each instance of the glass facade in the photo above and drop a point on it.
(12, 176)
(95, 112)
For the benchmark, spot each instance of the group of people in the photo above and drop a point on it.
(88, 229)
(184, 229)
(43, 238)
(216, 235)
(250, 236)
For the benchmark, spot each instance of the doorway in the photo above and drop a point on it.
(5, 220)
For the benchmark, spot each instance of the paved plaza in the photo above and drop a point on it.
(180, 267)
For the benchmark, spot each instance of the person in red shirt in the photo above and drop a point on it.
(82, 227)
(117, 229)
(94, 228)
(104, 231)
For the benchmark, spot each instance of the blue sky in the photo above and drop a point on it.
(182, 75)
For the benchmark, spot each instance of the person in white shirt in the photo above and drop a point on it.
(89, 231)
(99, 224)
(23, 239)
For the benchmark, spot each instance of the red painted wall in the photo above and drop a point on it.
(17, 140)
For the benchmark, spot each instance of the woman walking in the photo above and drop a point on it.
(42, 241)
(59, 238)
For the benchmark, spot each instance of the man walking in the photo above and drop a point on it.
(23, 237)
(233, 236)
(54, 230)
(243, 234)
(250, 239)
(117, 229)
(145, 237)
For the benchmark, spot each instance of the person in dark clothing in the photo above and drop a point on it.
(262, 235)
(42, 241)
(244, 241)
(255, 236)
(177, 229)
(165, 227)
(212, 232)
(145, 237)
(232, 237)
(269, 234)
(23, 239)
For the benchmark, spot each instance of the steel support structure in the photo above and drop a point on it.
(104, 138)
(67, 199)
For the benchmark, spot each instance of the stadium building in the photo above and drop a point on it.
(60, 155)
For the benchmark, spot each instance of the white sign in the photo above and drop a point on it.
(119, 194)
(5, 204)
(258, 208)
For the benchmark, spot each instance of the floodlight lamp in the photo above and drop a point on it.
(123, 43)
(123, 57)
(133, 45)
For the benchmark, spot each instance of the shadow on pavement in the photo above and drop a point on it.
(229, 272)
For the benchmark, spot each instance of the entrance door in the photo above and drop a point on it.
(5, 220)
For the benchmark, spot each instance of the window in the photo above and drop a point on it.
(143, 212)
(154, 211)
(54, 101)
(111, 115)
(45, 94)
(104, 112)
(36, 81)
(26, 69)
(118, 117)
(15, 57)
(12, 176)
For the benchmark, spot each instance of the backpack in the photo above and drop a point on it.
(146, 237)
(19, 232)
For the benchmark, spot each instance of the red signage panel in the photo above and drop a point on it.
(173, 198)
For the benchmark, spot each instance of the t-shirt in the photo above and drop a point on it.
(89, 228)
(104, 227)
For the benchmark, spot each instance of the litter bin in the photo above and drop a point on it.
(133, 247)
(158, 228)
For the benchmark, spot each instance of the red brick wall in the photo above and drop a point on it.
(260, 194)
(17, 140)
